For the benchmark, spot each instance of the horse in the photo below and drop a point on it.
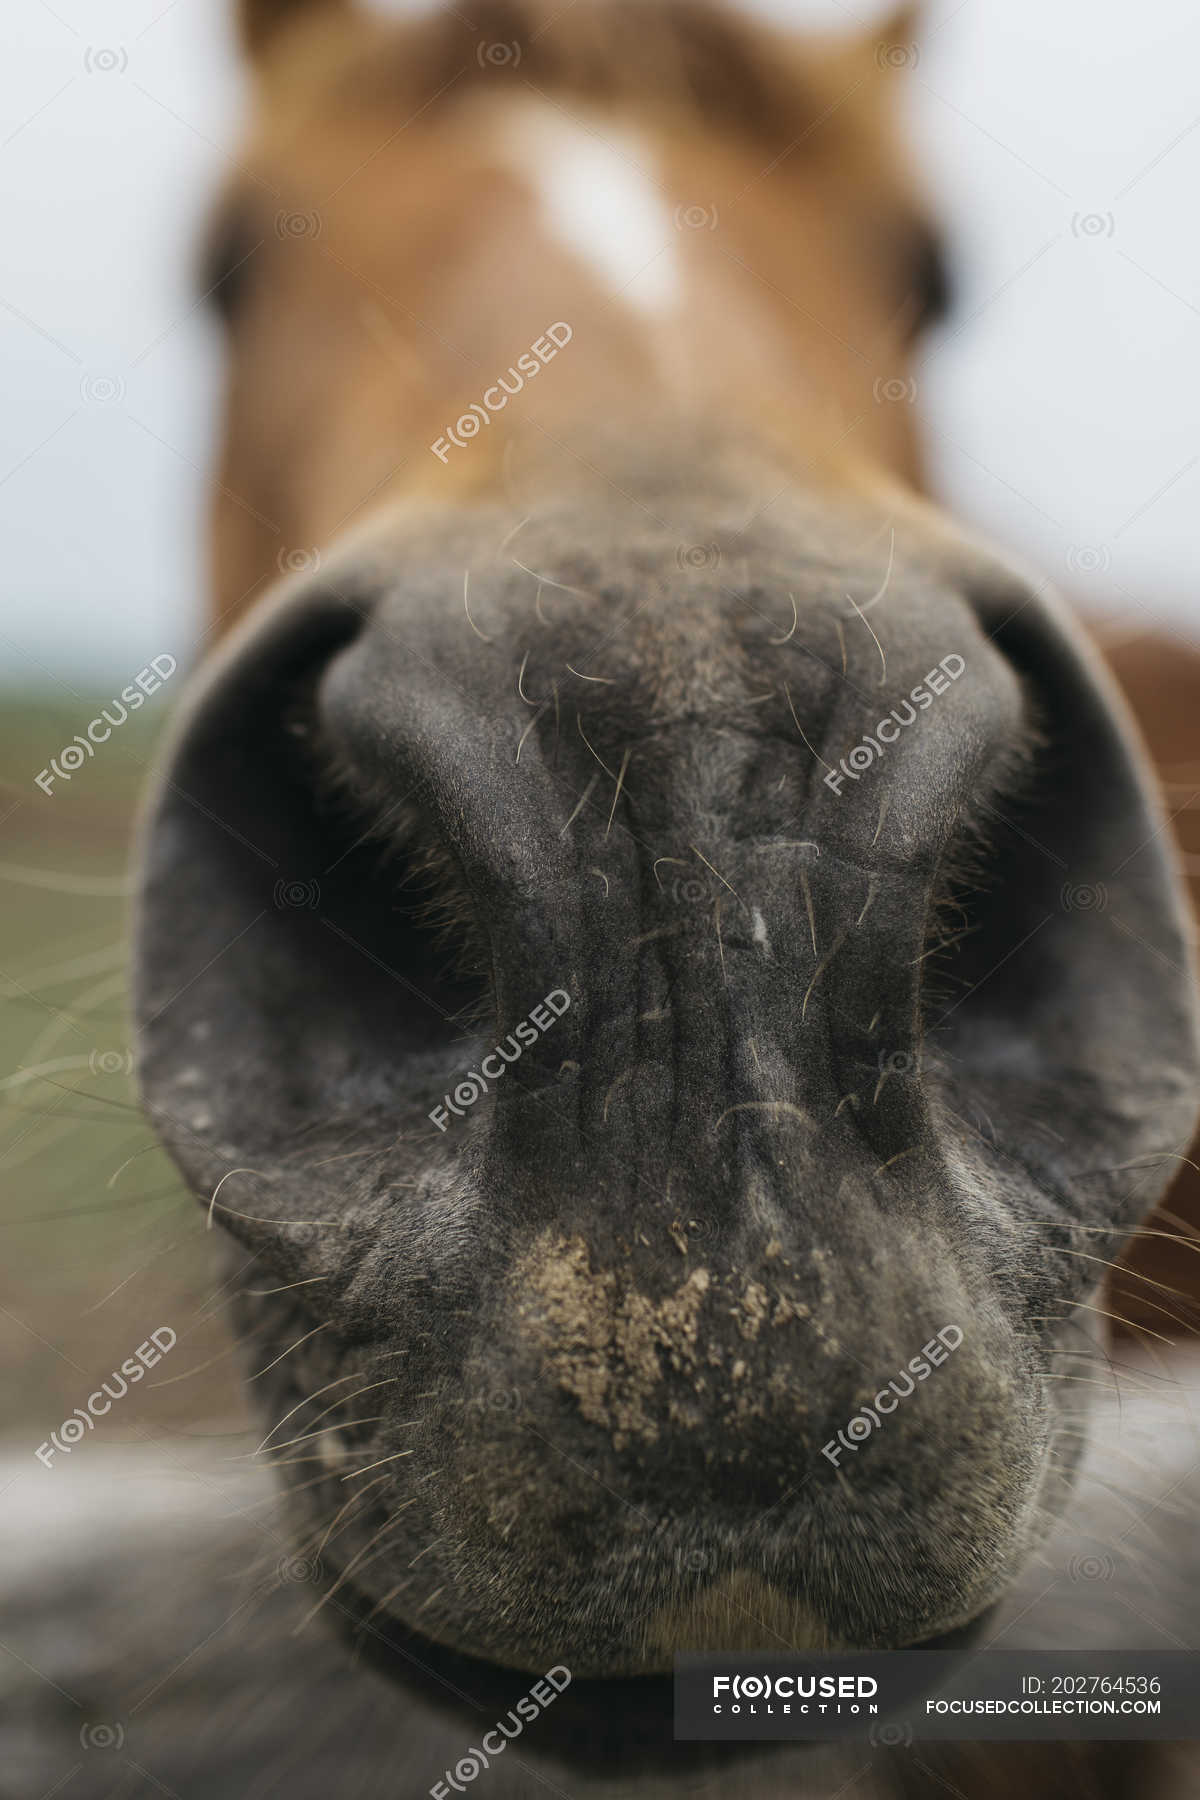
(660, 952)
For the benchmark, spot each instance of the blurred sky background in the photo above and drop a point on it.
(1063, 141)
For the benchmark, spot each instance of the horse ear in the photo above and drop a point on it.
(260, 22)
(892, 43)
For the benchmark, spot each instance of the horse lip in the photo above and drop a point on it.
(963, 1636)
(738, 1611)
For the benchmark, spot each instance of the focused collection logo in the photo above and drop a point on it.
(918, 1368)
(873, 747)
(853, 1693)
(495, 398)
(83, 1419)
(476, 1083)
(496, 1740)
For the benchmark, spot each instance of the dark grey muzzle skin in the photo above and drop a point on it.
(638, 1324)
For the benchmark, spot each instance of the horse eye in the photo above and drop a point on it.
(226, 260)
(930, 289)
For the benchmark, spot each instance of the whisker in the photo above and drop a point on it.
(466, 608)
(806, 890)
(262, 1293)
(266, 1176)
(883, 588)
(874, 639)
(307, 1401)
(300, 1340)
(617, 793)
(820, 970)
(778, 1106)
(355, 1473)
(799, 727)
(344, 1576)
(579, 805)
(583, 734)
(521, 741)
(352, 1500)
(1086, 1305)
(716, 872)
(791, 628)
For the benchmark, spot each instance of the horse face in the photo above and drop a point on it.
(680, 1040)
(672, 987)
(723, 216)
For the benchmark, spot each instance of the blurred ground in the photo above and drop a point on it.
(99, 1243)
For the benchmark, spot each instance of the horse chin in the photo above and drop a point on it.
(741, 1614)
(621, 1615)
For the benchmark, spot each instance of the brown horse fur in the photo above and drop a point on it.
(351, 347)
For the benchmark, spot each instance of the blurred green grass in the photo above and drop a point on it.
(99, 1241)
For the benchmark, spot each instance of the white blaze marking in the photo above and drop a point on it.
(601, 199)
